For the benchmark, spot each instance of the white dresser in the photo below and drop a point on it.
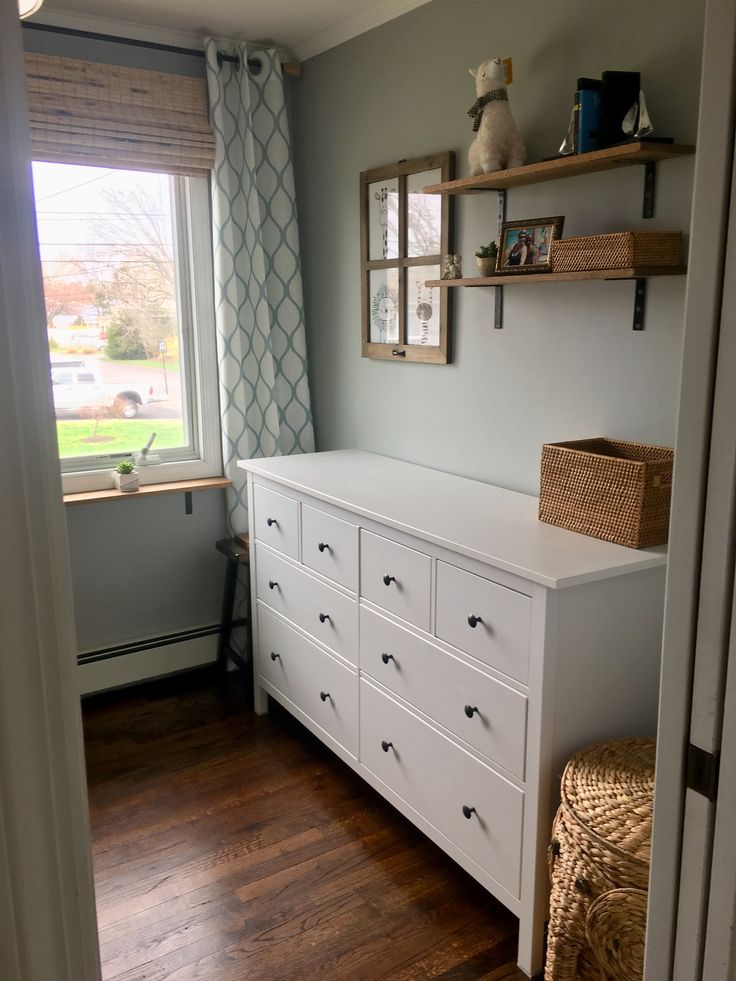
(450, 648)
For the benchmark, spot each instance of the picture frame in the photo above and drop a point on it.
(526, 246)
(404, 234)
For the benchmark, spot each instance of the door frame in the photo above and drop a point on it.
(48, 926)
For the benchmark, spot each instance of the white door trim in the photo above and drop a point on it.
(702, 325)
(47, 913)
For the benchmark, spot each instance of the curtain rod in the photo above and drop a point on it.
(292, 68)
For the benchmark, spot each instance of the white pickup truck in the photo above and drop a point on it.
(77, 384)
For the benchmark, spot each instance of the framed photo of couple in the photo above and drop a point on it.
(526, 246)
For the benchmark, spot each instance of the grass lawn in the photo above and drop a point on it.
(172, 364)
(76, 436)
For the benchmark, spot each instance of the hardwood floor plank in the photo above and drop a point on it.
(228, 846)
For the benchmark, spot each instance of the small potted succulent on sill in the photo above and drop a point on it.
(486, 256)
(126, 477)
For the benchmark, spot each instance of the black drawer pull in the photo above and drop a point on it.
(470, 710)
(474, 620)
(387, 657)
(386, 746)
(468, 811)
(323, 617)
(275, 656)
(323, 546)
(272, 584)
(387, 579)
(272, 521)
(324, 695)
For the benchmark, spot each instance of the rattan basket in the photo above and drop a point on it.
(609, 489)
(619, 250)
(599, 864)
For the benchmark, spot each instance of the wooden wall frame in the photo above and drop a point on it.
(402, 319)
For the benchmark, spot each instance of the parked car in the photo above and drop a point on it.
(77, 384)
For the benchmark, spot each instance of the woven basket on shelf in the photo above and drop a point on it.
(606, 488)
(599, 864)
(619, 250)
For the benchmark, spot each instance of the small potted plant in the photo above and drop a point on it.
(486, 256)
(126, 477)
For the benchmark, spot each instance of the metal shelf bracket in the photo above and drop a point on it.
(640, 297)
(498, 298)
(650, 186)
(498, 308)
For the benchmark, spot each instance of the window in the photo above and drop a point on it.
(126, 259)
(404, 234)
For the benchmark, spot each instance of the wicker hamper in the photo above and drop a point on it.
(619, 250)
(609, 489)
(599, 864)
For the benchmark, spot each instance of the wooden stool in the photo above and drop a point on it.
(599, 864)
(237, 552)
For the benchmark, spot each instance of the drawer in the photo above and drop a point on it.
(330, 546)
(276, 520)
(395, 578)
(487, 714)
(438, 779)
(489, 621)
(320, 686)
(329, 616)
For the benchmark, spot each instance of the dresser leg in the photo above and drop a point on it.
(531, 942)
(260, 700)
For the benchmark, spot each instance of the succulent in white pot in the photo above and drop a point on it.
(486, 257)
(126, 477)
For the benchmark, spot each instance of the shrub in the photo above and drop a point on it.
(123, 341)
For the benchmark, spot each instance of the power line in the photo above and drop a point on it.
(104, 245)
(75, 187)
(119, 214)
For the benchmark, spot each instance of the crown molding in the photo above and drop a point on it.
(346, 30)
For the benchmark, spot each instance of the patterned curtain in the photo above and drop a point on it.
(264, 393)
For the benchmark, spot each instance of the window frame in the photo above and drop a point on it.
(196, 311)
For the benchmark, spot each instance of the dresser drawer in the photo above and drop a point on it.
(330, 546)
(395, 578)
(489, 621)
(487, 714)
(320, 686)
(329, 616)
(438, 779)
(276, 520)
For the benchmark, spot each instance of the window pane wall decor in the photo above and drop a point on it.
(405, 234)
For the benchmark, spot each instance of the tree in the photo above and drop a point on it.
(135, 283)
(65, 292)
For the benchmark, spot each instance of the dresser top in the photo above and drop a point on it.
(493, 525)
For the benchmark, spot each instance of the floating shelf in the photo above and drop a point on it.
(638, 274)
(520, 279)
(572, 166)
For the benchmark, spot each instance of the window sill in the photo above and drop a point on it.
(174, 487)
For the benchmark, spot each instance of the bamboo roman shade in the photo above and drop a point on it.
(110, 116)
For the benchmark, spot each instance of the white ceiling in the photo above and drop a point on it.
(304, 27)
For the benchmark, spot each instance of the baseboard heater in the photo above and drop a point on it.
(142, 660)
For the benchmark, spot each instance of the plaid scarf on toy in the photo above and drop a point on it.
(476, 110)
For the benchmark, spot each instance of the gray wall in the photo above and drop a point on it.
(140, 568)
(143, 568)
(567, 363)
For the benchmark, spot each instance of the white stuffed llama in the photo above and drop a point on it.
(498, 144)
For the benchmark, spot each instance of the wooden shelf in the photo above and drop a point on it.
(519, 279)
(174, 487)
(560, 167)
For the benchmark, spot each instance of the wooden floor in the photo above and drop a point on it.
(231, 847)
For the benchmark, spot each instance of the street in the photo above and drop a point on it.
(120, 373)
